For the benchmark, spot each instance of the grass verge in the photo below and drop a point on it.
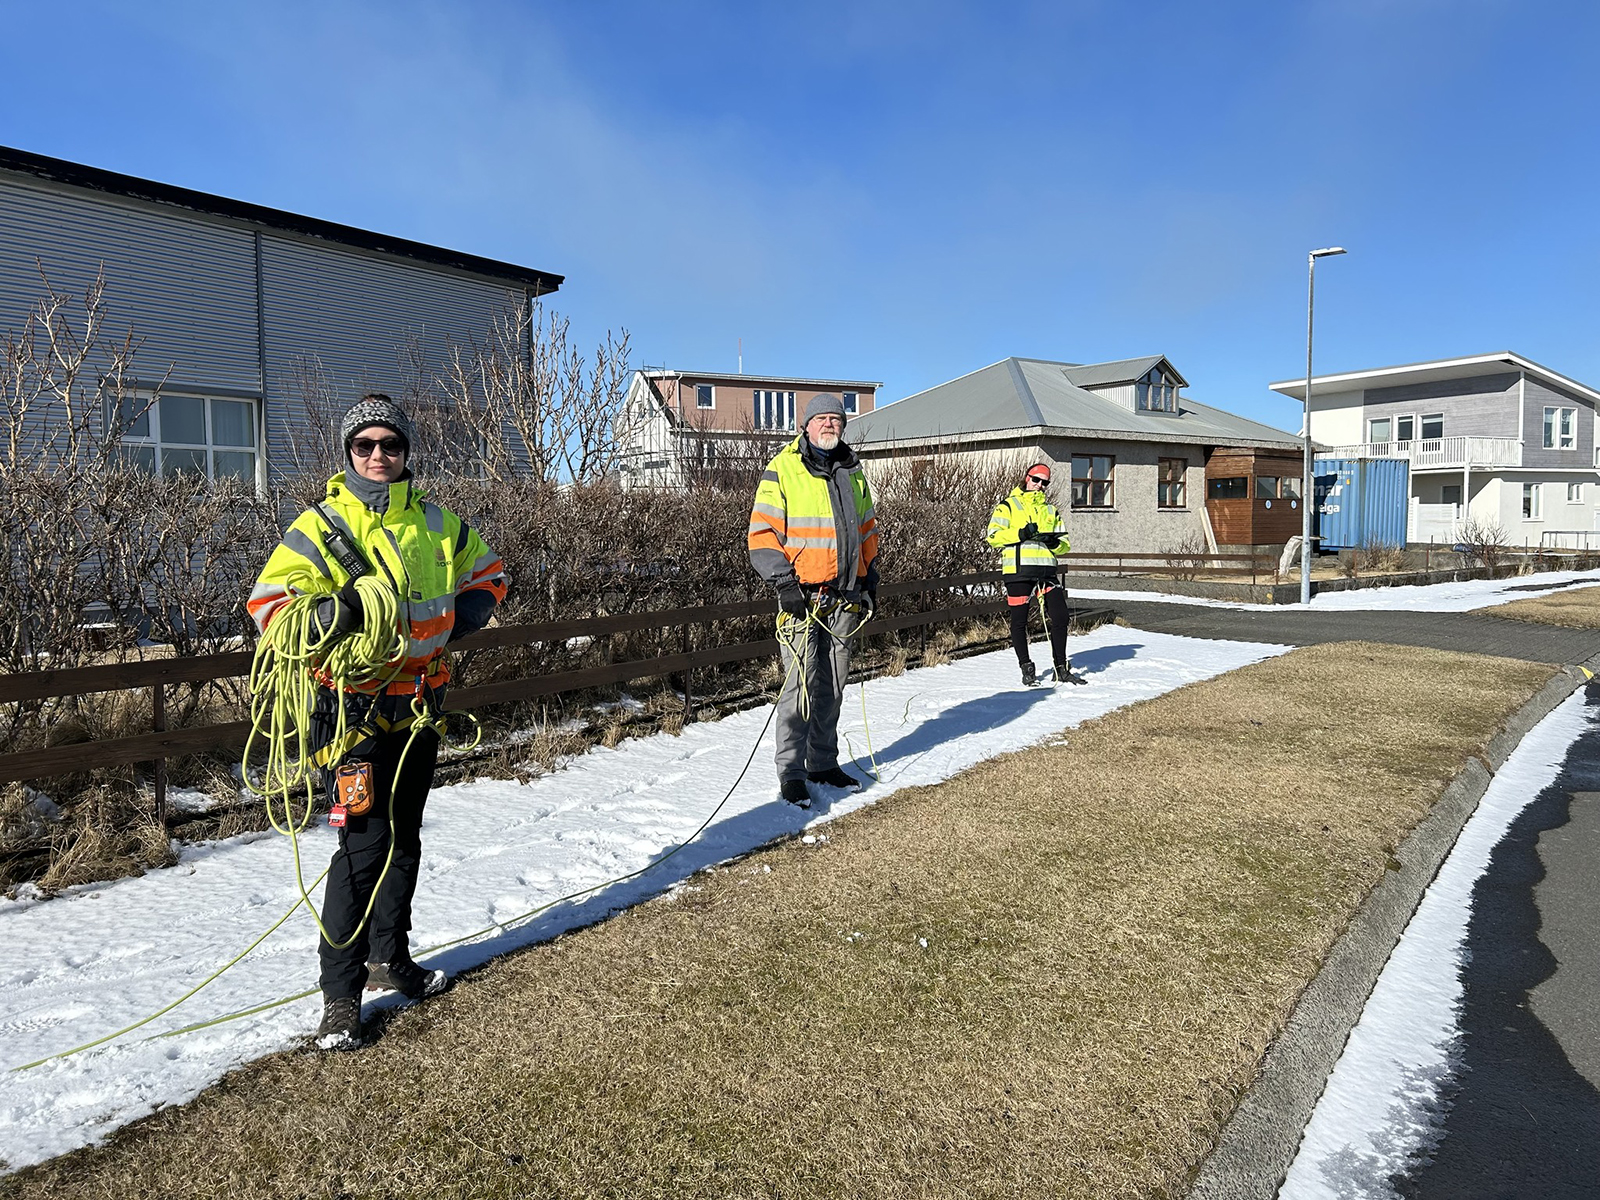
(1574, 608)
(1051, 975)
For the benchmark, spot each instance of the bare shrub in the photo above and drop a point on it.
(1482, 542)
(1188, 556)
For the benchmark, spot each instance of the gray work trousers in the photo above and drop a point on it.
(809, 740)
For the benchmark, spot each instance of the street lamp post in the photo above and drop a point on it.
(1306, 497)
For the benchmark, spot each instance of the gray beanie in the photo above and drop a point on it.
(822, 404)
(376, 409)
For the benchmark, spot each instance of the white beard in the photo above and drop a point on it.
(827, 441)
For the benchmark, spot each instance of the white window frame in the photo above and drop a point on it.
(1532, 502)
(1372, 431)
(705, 395)
(1398, 417)
(211, 448)
(1422, 432)
(1574, 493)
(851, 402)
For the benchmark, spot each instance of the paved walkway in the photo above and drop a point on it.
(1472, 633)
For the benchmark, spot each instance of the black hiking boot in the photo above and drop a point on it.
(1028, 673)
(1064, 674)
(794, 791)
(341, 1023)
(835, 777)
(411, 981)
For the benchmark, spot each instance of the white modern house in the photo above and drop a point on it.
(1495, 439)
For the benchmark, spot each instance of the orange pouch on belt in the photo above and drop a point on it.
(353, 788)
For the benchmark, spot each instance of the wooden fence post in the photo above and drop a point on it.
(158, 722)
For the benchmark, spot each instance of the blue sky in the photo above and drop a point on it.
(903, 191)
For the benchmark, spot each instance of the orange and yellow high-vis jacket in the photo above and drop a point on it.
(813, 520)
(427, 553)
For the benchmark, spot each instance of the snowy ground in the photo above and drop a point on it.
(83, 965)
(1462, 596)
(1378, 1107)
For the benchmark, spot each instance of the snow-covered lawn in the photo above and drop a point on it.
(1462, 596)
(1380, 1104)
(86, 964)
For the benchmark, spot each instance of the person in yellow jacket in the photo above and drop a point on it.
(814, 537)
(447, 582)
(1028, 531)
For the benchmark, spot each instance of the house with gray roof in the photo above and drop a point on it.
(1132, 455)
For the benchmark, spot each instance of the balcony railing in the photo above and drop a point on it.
(1438, 453)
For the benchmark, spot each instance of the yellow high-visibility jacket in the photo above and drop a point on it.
(427, 554)
(797, 530)
(1030, 559)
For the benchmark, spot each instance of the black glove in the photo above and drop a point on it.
(791, 599)
(1050, 540)
(341, 615)
(1027, 532)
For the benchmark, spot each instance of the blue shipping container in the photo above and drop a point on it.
(1361, 501)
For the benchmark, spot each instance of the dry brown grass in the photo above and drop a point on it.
(1051, 975)
(1576, 608)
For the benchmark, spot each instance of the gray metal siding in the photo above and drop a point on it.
(185, 286)
(1536, 397)
(355, 314)
(1483, 406)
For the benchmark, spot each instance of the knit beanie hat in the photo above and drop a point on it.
(822, 404)
(376, 409)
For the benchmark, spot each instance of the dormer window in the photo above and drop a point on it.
(1156, 392)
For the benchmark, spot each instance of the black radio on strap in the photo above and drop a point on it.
(345, 552)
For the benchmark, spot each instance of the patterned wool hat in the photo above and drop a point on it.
(376, 409)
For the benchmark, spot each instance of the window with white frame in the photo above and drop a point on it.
(1560, 428)
(1156, 392)
(851, 400)
(1405, 428)
(204, 435)
(1532, 510)
(774, 410)
(1432, 426)
(705, 396)
(1380, 430)
(1574, 493)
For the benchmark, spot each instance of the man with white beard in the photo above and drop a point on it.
(814, 537)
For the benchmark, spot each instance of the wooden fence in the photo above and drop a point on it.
(1189, 566)
(159, 674)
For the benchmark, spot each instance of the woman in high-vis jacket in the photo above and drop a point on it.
(1027, 530)
(447, 583)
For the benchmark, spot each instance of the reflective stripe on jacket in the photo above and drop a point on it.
(1027, 560)
(794, 528)
(426, 553)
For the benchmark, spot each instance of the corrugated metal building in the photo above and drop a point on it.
(232, 301)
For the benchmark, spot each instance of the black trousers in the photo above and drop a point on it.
(1019, 595)
(357, 864)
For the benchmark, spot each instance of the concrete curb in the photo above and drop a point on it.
(1254, 1151)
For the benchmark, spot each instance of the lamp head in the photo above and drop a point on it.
(1327, 251)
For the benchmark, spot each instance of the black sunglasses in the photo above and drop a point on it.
(363, 447)
(1040, 479)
